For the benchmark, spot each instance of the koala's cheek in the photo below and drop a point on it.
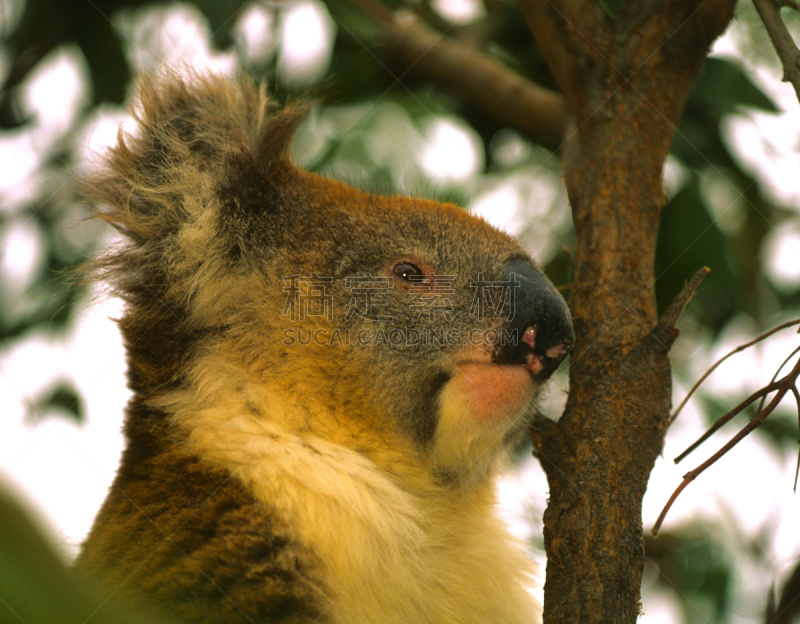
(488, 393)
(478, 406)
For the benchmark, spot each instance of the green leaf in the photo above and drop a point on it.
(780, 429)
(612, 7)
(37, 588)
(61, 397)
(693, 564)
(687, 240)
(725, 86)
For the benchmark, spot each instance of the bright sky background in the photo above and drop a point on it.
(64, 470)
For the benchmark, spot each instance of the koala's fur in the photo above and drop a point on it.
(268, 480)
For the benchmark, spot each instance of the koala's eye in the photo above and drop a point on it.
(406, 271)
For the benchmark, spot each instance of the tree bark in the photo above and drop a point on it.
(625, 83)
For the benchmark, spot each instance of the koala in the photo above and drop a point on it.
(324, 381)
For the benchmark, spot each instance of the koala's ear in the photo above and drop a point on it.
(276, 141)
(194, 135)
(252, 190)
(195, 183)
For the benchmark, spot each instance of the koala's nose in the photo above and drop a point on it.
(539, 322)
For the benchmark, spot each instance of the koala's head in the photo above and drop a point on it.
(404, 329)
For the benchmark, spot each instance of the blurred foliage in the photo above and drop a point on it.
(687, 220)
(60, 397)
(37, 588)
(697, 569)
(351, 138)
(612, 7)
(786, 609)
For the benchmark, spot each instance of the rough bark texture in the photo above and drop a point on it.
(625, 84)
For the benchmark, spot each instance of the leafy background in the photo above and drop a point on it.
(731, 541)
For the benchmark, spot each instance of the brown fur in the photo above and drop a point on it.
(271, 481)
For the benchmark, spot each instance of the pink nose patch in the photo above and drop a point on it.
(529, 337)
(534, 363)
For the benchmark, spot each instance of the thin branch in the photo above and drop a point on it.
(797, 467)
(665, 330)
(759, 394)
(789, 55)
(763, 393)
(720, 361)
(775, 376)
(785, 384)
(476, 79)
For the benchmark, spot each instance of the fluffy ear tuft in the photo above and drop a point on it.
(201, 144)
(189, 127)
(277, 140)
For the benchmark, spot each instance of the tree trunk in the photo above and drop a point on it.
(625, 83)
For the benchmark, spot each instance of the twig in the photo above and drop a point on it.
(762, 394)
(490, 87)
(789, 55)
(759, 394)
(784, 385)
(665, 331)
(797, 467)
(775, 376)
(720, 361)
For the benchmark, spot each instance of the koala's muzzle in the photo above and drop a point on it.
(539, 323)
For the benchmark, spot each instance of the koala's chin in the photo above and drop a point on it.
(483, 409)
